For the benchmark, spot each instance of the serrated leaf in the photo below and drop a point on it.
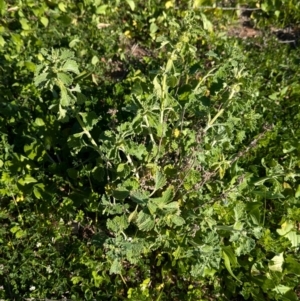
(65, 99)
(166, 197)
(66, 54)
(145, 222)
(177, 220)
(117, 224)
(89, 119)
(152, 207)
(139, 197)
(71, 66)
(238, 211)
(160, 180)
(39, 79)
(116, 267)
(81, 98)
(62, 114)
(64, 78)
(172, 205)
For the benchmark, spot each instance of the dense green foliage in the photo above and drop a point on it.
(146, 154)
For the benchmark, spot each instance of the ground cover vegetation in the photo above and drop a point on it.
(149, 150)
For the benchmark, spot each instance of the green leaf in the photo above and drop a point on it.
(166, 197)
(25, 24)
(65, 99)
(64, 78)
(116, 267)
(98, 280)
(39, 122)
(145, 222)
(2, 41)
(131, 4)
(20, 234)
(297, 194)
(152, 207)
(282, 289)
(207, 25)
(286, 227)
(62, 114)
(177, 220)
(14, 229)
(40, 79)
(72, 173)
(37, 189)
(294, 238)
(229, 259)
(254, 210)
(2, 7)
(277, 263)
(89, 119)
(160, 180)
(292, 265)
(118, 223)
(101, 10)
(27, 180)
(153, 28)
(30, 66)
(95, 60)
(120, 193)
(132, 216)
(140, 197)
(44, 21)
(66, 54)
(71, 66)
(62, 7)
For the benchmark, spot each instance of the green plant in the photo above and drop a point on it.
(178, 180)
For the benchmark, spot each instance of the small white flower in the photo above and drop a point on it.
(48, 269)
(38, 244)
(32, 288)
